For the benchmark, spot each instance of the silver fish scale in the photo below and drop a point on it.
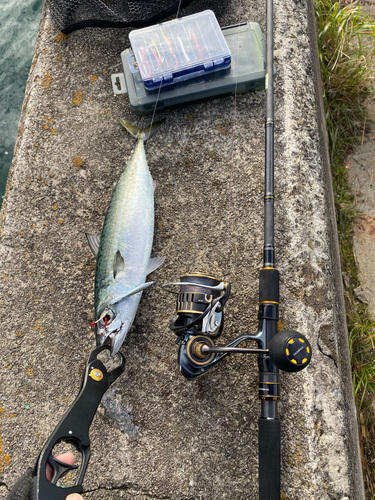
(128, 227)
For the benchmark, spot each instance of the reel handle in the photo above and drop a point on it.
(290, 351)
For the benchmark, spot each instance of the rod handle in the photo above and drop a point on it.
(269, 285)
(269, 459)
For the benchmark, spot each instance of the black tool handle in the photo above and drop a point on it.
(269, 459)
(72, 428)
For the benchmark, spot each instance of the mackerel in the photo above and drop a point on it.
(123, 250)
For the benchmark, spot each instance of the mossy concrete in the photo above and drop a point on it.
(178, 439)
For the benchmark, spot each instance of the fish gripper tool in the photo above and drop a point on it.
(73, 428)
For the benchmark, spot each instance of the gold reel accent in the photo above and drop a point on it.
(194, 353)
(200, 275)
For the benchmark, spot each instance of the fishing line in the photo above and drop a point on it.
(233, 141)
(116, 15)
(157, 98)
(178, 10)
(153, 113)
(232, 161)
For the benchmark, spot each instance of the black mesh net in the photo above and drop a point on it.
(71, 15)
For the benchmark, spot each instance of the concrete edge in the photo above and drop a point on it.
(342, 342)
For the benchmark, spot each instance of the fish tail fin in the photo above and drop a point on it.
(144, 134)
(151, 129)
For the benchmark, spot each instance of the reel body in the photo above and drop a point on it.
(199, 319)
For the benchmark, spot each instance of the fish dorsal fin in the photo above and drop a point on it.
(118, 264)
(135, 290)
(94, 243)
(154, 263)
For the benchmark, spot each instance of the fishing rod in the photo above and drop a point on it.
(199, 318)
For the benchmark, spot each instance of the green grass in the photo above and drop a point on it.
(346, 39)
(346, 50)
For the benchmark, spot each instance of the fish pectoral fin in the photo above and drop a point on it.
(154, 263)
(118, 264)
(94, 243)
(138, 289)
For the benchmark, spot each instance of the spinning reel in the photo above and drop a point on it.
(199, 320)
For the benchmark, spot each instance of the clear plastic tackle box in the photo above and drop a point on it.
(246, 73)
(178, 50)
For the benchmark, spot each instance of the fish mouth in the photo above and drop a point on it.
(113, 338)
(108, 338)
(107, 341)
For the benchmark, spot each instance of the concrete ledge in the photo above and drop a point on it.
(175, 439)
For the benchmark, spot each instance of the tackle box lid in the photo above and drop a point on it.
(181, 49)
(247, 73)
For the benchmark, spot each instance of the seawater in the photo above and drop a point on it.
(19, 24)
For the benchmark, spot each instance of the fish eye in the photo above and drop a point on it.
(107, 317)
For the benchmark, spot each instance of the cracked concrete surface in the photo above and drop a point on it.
(196, 440)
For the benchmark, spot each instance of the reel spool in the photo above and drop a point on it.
(199, 319)
(199, 305)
